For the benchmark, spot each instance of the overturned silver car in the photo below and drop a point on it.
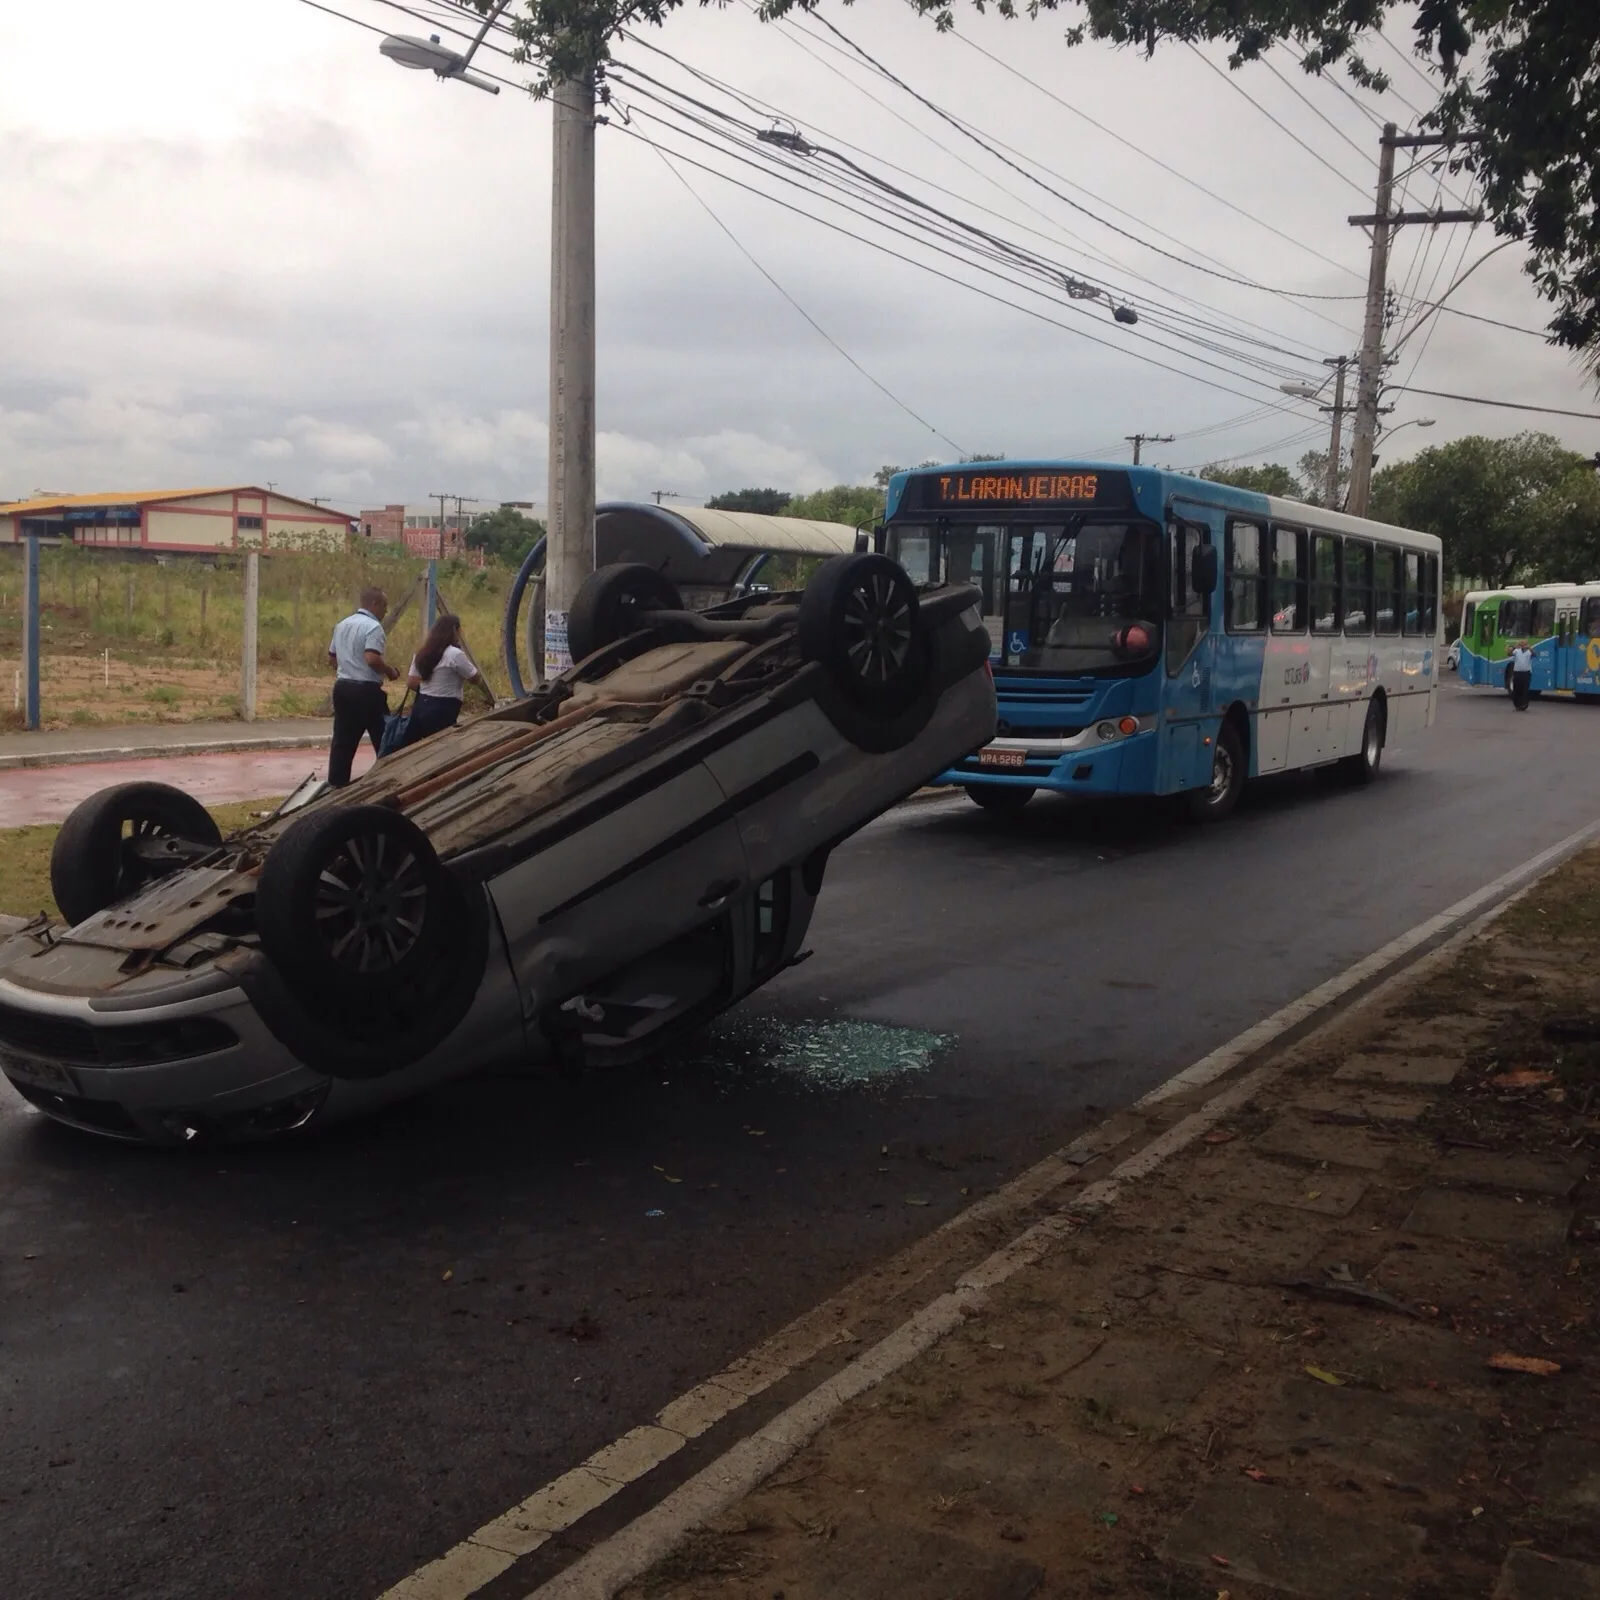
(578, 877)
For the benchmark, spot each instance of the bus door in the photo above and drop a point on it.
(1564, 669)
(1188, 696)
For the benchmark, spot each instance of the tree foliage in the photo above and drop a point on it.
(1271, 479)
(769, 502)
(852, 503)
(505, 535)
(1523, 76)
(1508, 510)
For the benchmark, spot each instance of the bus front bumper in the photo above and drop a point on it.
(1104, 758)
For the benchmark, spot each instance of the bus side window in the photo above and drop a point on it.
(1544, 619)
(1411, 568)
(1325, 555)
(1430, 596)
(1515, 618)
(1386, 589)
(1243, 602)
(1357, 586)
(1590, 626)
(1190, 611)
(1288, 581)
(1469, 619)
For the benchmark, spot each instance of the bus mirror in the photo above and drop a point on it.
(1203, 571)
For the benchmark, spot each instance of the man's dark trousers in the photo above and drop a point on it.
(1519, 690)
(358, 708)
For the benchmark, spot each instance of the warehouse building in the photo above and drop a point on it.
(177, 521)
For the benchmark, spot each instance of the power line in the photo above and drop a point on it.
(1238, 88)
(1507, 405)
(1193, 183)
(817, 326)
(1299, 94)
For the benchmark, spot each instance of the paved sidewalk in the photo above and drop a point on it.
(71, 745)
(1342, 1347)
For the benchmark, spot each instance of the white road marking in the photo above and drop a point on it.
(484, 1555)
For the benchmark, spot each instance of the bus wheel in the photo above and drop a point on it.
(1227, 779)
(1363, 767)
(1000, 796)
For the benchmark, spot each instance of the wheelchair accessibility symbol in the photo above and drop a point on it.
(1017, 643)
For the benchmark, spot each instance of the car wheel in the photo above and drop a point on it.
(1363, 766)
(1228, 773)
(1000, 796)
(858, 617)
(608, 602)
(371, 933)
(104, 850)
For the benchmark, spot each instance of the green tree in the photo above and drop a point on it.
(1523, 77)
(1273, 479)
(1508, 510)
(770, 502)
(853, 503)
(506, 535)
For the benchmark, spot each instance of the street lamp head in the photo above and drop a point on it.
(1301, 391)
(1426, 422)
(1125, 314)
(428, 55)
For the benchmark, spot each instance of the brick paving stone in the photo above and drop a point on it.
(1488, 1219)
(1516, 1174)
(1433, 1035)
(1315, 1142)
(889, 1561)
(1357, 1104)
(1529, 1575)
(1369, 1434)
(1569, 1480)
(1140, 1382)
(1284, 1539)
(1330, 1194)
(1422, 1071)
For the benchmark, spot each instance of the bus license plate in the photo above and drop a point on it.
(1012, 759)
(43, 1074)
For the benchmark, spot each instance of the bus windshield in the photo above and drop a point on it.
(1058, 596)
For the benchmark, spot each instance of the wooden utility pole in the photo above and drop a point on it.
(1369, 372)
(1140, 440)
(1338, 408)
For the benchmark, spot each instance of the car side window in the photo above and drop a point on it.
(1288, 581)
(1244, 611)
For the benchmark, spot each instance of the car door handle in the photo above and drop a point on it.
(719, 891)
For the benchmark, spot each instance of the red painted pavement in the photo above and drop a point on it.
(47, 794)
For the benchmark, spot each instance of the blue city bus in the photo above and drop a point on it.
(1558, 622)
(1156, 634)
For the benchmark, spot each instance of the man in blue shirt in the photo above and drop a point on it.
(359, 703)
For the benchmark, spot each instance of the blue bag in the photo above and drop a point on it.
(395, 726)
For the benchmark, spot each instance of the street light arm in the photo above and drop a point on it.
(483, 33)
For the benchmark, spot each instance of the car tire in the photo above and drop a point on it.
(1000, 797)
(90, 865)
(1362, 768)
(371, 933)
(1228, 774)
(608, 602)
(858, 618)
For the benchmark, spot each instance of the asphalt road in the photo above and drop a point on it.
(246, 1373)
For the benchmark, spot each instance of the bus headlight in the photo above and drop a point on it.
(1106, 730)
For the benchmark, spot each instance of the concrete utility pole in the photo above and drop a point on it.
(1140, 440)
(1338, 408)
(247, 657)
(441, 498)
(1369, 374)
(569, 546)
(30, 628)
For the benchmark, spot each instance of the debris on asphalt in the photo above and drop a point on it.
(655, 1211)
(1534, 1366)
(1322, 1375)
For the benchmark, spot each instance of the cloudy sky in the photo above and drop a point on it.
(236, 244)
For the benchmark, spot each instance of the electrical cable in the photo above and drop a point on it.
(1304, 100)
(1238, 88)
(816, 326)
(1507, 405)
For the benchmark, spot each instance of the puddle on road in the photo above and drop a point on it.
(822, 1056)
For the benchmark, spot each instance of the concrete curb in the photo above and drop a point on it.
(148, 752)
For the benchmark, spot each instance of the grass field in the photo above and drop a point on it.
(133, 641)
(25, 858)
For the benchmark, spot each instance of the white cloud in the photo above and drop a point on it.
(338, 443)
(279, 449)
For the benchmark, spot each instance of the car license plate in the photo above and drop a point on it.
(44, 1074)
(1013, 759)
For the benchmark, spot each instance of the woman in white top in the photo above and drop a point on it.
(440, 672)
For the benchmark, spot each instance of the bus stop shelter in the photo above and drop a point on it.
(709, 555)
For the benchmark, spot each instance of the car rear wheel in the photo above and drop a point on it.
(607, 605)
(370, 932)
(117, 841)
(858, 617)
(1000, 796)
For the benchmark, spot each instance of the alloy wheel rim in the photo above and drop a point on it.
(1221, 772)
(877, 628)
(370, 904)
